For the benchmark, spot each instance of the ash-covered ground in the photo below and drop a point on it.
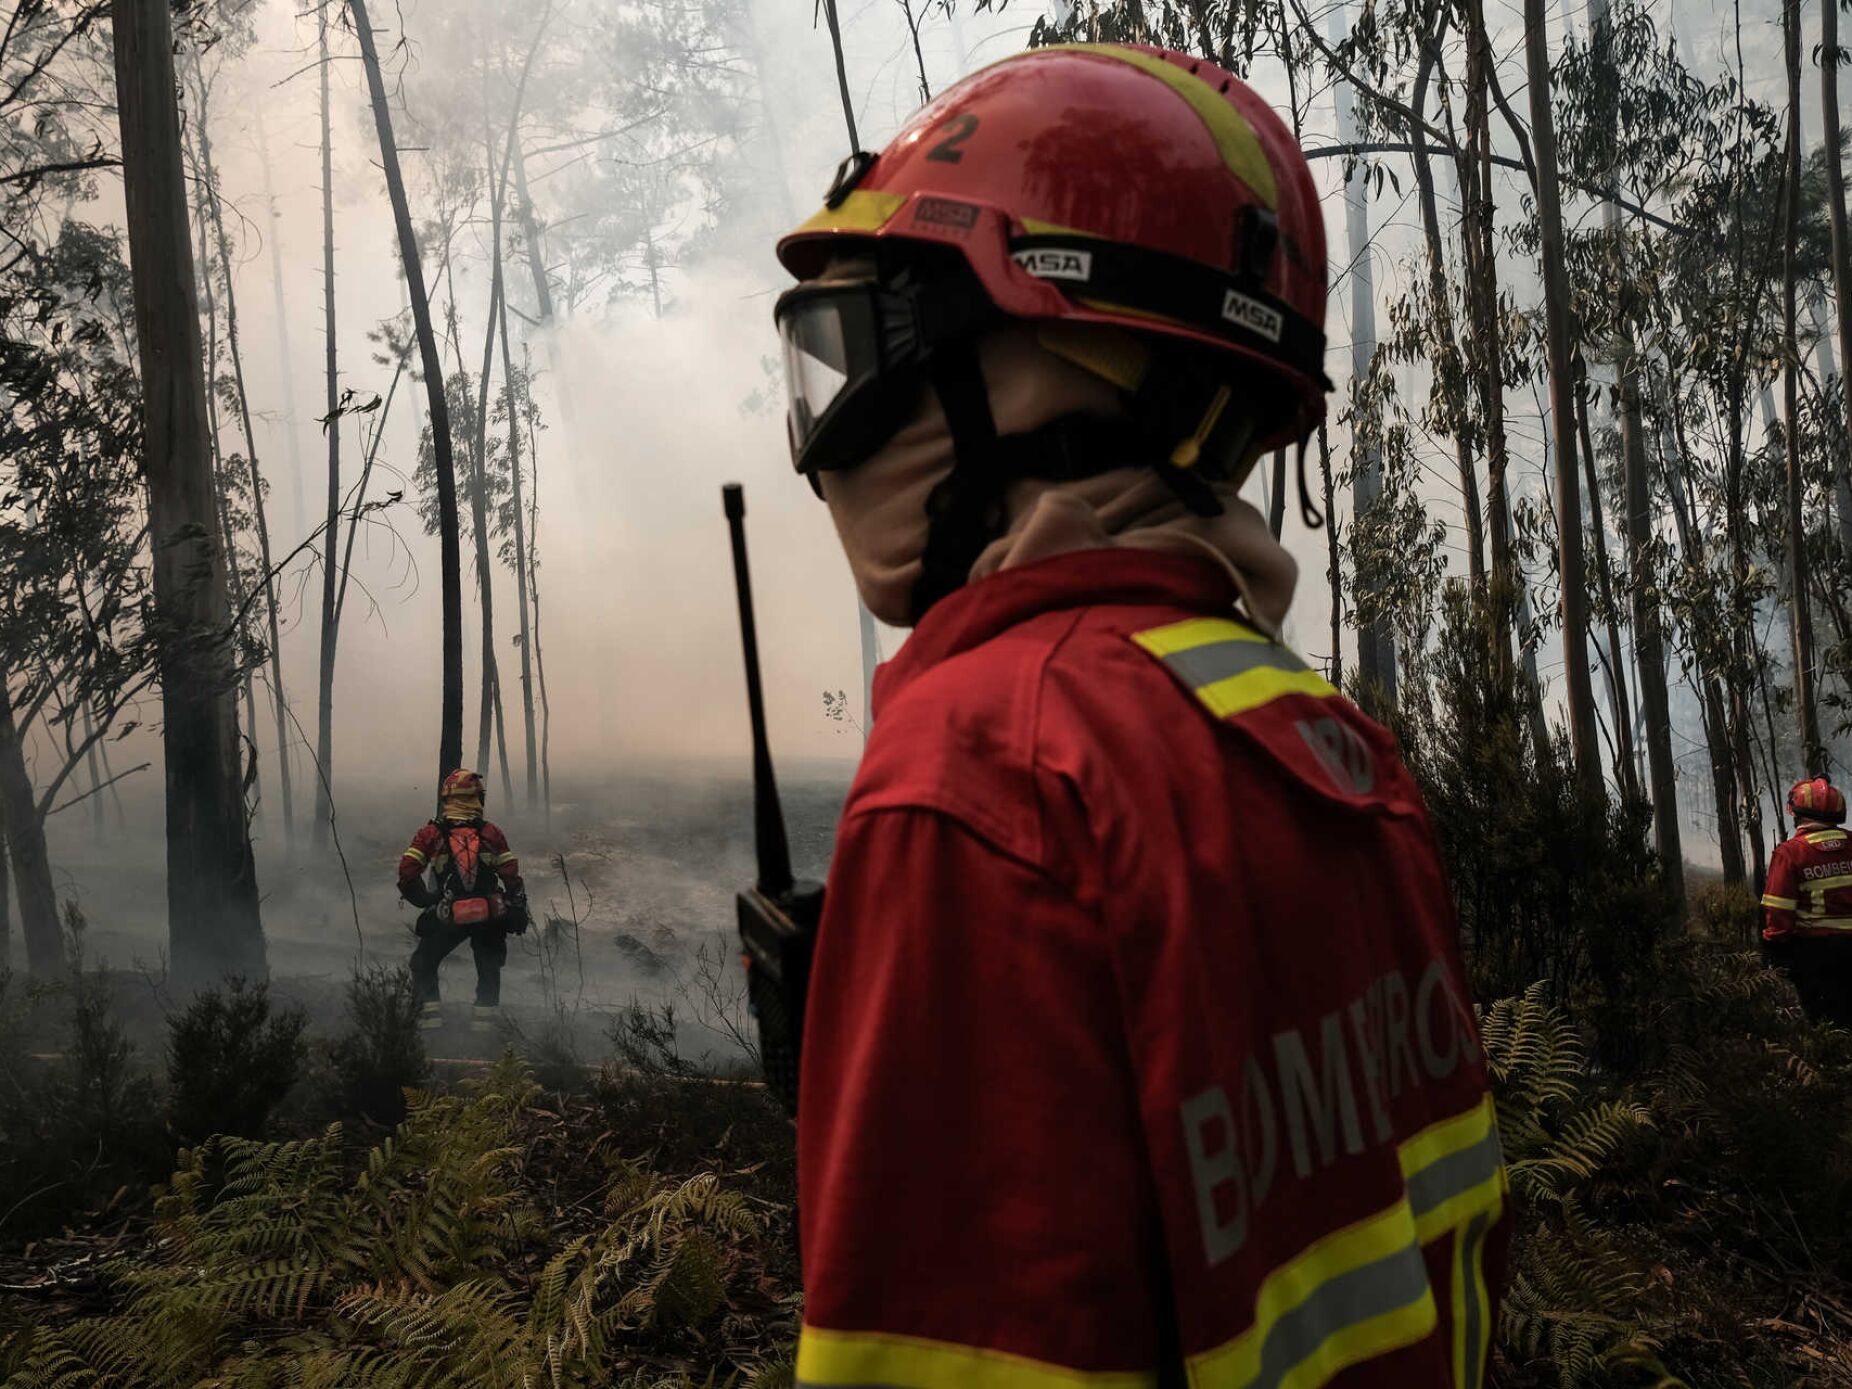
(631, 879)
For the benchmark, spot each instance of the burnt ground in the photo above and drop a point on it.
(631, 878)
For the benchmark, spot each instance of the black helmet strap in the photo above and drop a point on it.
(965, 509)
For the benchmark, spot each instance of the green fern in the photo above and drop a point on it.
(272, 1270)
(1577, 1300)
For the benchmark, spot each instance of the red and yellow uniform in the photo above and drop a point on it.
(430, 849)
(1807, 909)
(1809, 887)
(1138, 1031)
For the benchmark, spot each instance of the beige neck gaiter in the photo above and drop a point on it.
(880, 507)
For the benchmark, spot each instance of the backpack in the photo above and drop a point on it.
(463, 849)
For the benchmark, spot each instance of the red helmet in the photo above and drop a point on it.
(1817, 799)
(1109, 184)
(462, 782)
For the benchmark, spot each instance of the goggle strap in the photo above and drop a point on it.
(961, 508)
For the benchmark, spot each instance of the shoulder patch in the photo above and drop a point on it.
(1229, 667)
(1236, 673)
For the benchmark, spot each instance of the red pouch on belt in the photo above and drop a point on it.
(469, 911)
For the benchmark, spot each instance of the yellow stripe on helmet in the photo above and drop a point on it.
(864, 210)
(1232, 134)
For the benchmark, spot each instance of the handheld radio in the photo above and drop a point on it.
(778, 915)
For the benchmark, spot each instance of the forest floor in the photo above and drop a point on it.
(637, 881)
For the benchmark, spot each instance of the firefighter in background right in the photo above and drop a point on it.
(1807, 903)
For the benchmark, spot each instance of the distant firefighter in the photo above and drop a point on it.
(1807, 903)
(460, 870)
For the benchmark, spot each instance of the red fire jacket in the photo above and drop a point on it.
(1809, 887)
(427, 850)
(1137, 1018)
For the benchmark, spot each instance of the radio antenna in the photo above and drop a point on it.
(774, 850)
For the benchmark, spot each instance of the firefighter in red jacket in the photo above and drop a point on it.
(1807, 902)
(1138, 1046)
(473, 892)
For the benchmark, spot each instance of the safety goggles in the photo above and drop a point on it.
(856, 356)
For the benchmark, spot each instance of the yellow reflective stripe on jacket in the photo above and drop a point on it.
(1363, 1291)
(1229, 667)
(868, 1358)
(1780, 904)
(1357, 1293)
(1472, 1303)
(1831, 884)
(1824, 923)
(415, 852)
(1825, 836)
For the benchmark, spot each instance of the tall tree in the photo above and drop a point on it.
(331, 430)
(1833, 147)
(24, 832)
(1648, 641)
(450, 736)
(1375, 644)
(1449, 369)
(1813, 752)
(212, 904)
(1579, 692)
(254, 480)
(516, 419)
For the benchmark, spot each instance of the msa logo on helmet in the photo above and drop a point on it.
(943, 212)
(1050, 264)
(1253, 315)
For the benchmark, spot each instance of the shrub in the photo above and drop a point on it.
(230, 1060)
(81, 1129)
(1725, 914)
(382, 1051)
(644, 1039)
(1554, 880)
(551, 1051)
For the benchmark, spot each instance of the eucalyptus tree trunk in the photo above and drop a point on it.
(1375, 643)
(299, 516)
(1579, 691)
(330, 623)
(479, 498)
(254, 476)
(1834, 143)
(1449, 372)
(1710, 691)
(1813, 751)
(450, 737)
(533, 582)
(25, 846)
(1334, 570)
(1478, 235)
(1826, 363)
(1648, 641)
(228, 545)
(212, 904)
(6, 917)
(1625, 771)
(531, 764)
